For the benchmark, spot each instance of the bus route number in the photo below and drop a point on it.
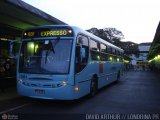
(30, 34)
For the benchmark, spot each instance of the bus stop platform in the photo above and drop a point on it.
(9, 93)
(7, 86)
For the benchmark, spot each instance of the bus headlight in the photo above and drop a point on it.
(20, 81)
(64, 83)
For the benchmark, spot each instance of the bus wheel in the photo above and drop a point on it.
(93, 87)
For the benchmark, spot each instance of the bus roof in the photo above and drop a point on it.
(77, 30)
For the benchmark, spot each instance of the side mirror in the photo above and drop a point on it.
(81, 57)
(14, 44)
(83, 53)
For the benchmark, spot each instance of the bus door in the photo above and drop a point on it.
(81, 61)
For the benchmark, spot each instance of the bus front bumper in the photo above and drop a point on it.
(66, 92)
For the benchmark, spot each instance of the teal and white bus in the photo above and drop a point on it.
(64, 62)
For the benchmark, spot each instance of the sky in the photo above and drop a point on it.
(136, 19)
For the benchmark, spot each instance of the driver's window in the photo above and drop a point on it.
(82, 52)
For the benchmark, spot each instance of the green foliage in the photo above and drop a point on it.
(115, 36)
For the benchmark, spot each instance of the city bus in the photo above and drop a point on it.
(8, 51)
(63, 62)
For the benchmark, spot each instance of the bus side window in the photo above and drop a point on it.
(109, 50)
(82, 53)
(114, 54)
(121, 57)
(94, 50)
(103, 53)
(110, 54)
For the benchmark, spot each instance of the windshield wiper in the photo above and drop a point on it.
(46, 57)
(52, 48)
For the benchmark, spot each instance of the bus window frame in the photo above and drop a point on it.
(88, 55)
(103, 52)
(92, 50)
(46, 38)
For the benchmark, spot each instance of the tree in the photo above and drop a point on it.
(108, 34)
(115, 36)
(130, 48)
(113, 33)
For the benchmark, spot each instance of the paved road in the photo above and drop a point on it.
(136, 93)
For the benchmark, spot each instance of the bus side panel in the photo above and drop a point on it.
(108, 75)
(104, 78)
(83, 80)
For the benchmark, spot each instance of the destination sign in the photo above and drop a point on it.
(53, 33)
(48, 33)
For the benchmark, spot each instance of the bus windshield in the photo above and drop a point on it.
(45, 56)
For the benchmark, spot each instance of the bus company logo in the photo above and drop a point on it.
(4, 116)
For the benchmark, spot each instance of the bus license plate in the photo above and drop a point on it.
(39, 91)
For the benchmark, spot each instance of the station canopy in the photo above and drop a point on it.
(16, 15)
(155, 46)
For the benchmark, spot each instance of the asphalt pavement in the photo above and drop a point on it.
(135, 96)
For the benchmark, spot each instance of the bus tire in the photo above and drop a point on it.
(93, 87)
